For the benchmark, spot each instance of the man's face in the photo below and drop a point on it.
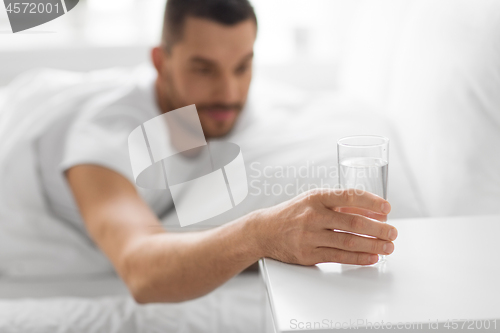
(211, 66)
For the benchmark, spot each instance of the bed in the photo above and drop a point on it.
(102, 304)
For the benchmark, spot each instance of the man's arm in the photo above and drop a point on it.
(158, 266)
(155, 265)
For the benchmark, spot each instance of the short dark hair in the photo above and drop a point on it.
(228, 12)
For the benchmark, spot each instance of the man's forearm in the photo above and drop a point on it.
(174, 267)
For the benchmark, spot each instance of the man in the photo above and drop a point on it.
(205, 58)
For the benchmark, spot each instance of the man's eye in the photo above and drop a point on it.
(203, 70)
(242, 69)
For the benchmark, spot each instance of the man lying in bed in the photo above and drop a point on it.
(205, 58)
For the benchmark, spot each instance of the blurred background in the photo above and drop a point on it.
(430, 68)
(308, 36)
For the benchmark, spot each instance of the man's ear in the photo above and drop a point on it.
(159, 59)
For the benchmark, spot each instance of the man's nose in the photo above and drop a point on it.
(227, 89)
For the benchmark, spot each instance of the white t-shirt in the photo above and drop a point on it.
(97, 134)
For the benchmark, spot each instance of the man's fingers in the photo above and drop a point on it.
(353, 198)
(354, 243)
(325, 254)
(361, 225)
(361, 211)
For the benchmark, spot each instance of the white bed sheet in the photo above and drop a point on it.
(103, 305)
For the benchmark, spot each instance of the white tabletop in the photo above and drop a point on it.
(442, 269)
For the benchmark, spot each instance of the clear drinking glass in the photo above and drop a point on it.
(364, 165)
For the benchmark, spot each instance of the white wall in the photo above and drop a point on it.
(299, 42)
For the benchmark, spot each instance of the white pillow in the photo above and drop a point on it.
(445, 99)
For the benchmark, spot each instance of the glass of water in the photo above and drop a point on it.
(364, 165)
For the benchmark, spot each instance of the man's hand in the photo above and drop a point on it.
(327, 226)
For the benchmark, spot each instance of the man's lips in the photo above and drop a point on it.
(220, 114)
